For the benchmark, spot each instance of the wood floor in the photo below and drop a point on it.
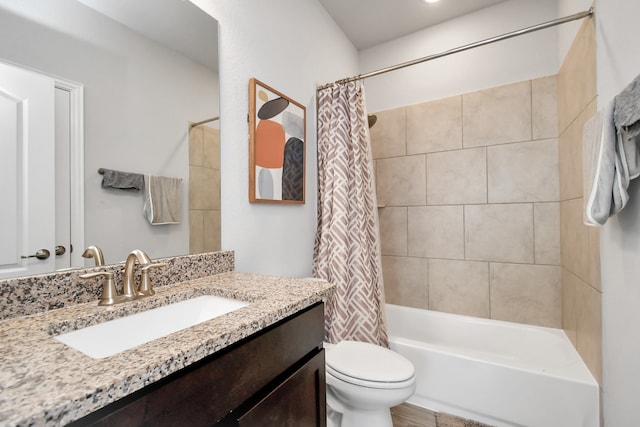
(407, 415)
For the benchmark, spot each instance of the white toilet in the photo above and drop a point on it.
(363, 381)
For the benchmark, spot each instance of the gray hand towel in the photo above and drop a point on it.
(162, 200)
(627, 108)
(605, 169)
(122, 180)
(600, 167)
(626, 116)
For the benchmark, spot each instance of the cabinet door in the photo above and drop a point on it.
(300, 401)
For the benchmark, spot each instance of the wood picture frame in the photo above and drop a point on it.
(277, 146)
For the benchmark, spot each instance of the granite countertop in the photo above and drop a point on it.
(44, 382)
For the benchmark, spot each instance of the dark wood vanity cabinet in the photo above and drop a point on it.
(275, 377)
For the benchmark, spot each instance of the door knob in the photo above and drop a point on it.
(60, 250)
(41, 254)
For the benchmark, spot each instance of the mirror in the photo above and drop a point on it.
(147, 68)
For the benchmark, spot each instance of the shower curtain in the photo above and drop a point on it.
(347, 244)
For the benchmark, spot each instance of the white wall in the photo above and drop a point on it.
(128, 81)
(618, 64)
(291, 45)
(513, 60)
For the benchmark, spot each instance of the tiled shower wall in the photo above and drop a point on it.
(204, 189)
(581, 292)
(469, 203)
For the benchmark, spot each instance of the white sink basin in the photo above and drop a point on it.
(112, 337)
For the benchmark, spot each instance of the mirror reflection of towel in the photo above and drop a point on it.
(122, 180)
(162, 199)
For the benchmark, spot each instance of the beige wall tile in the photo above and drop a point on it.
(434, 126)
(204, 188)
(436, 232)
(577, 77)
(211, 148)
(402, 181)
(574, 239)
(457, 177)
(579, 244)
(593, 261)
(544, 107)
(589, 328)
(497, 115)
(393, 230)
(196, 146)
(569, 170)
(546, 230)
(215, 187)
(405, 281)
(389, 135)
(526, 294)
(196, 232)
(500, 232)
(460, 287)
(570, 155)
(212, 232)
(523, 172)
(570, 285)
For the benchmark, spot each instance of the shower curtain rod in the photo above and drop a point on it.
(212, 119)
(490, 40)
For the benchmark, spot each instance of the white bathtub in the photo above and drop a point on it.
(499, 373)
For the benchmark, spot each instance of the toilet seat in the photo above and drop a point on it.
(369, 365)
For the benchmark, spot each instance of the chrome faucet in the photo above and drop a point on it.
(95, 253)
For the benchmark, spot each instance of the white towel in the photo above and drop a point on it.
(603, 164)
(162, 199)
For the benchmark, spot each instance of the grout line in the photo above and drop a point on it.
(495, 203)
(576, 117)
(499, 144)
(477, 261)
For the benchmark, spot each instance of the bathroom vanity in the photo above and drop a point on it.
(262, 364)
(274, 377)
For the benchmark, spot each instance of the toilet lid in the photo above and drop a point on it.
(368, 362)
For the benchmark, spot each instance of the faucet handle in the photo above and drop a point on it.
(145, 283)
(109, 291)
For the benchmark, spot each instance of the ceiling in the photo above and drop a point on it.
(182, 26)
(177, 24)
(370, 22)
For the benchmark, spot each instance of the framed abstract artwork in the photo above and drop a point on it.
(277, 146)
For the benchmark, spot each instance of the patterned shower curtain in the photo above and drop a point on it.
(347, 244)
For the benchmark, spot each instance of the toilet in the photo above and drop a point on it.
(363, 382)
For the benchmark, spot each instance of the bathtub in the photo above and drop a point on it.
(498, 373)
